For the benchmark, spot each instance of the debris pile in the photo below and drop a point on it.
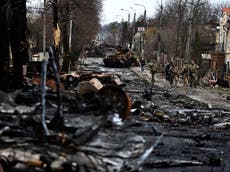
(113, 128)
(93, 134)
(86, 142)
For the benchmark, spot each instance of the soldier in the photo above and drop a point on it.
(173, 74)
(167, 73)
(193, 73)
(176, 75)
(185, 74)
(153, 71)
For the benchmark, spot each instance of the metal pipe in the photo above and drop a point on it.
(58, 82)
(43, 96)
(43, 75)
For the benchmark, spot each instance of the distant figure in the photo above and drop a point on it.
(173, 74)
(153, 70)
(193, 74)
(167, 72)
(142, 64)
(185, 74)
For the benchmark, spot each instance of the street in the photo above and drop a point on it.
(164, 131)
(193, 139)
(114, 86)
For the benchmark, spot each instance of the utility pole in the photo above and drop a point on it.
(145, 22)
(142, 35)
(132, 32)
(190, 20)
(70, 31)
(178, 27)
(128, 25)
(128, 14)
(159, 35)
(145, 19)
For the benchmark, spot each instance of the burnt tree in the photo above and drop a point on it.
(64, 19)
(4, 45)
(18, 41)
(56, 30)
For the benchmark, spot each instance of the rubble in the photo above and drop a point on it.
(133, 126)
(93, 135)
(92, 85)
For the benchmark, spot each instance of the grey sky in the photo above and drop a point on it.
(112, 8)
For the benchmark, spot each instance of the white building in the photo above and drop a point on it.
(223, 34)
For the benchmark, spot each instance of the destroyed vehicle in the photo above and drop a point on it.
(119, 61)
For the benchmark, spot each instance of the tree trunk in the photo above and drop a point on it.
(4, 47)
(178, 29)
(55, 14)
(56, 32)
(65, 20)
(18, 40)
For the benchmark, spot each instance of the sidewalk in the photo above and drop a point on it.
(159, 77)
(207, 95)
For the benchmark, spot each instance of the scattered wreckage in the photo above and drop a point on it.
(45, 128)
(110, 126)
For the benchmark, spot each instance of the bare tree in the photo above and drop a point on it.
(13, 42)
(182, 20)
(4, 46)
(85, 17)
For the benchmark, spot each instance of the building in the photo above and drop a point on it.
(220, 62)
(223, 34)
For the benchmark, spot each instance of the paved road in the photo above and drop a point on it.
(190, 137)
(215, 98)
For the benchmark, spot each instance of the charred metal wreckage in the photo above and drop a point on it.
(44, 129)
(109, 120)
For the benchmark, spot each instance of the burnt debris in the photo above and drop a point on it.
(114, 128)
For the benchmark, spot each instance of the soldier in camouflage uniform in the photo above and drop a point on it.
(172, 74)
(185, 74)
(153, 70)
(193, 73)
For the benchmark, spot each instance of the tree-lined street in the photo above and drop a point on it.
(143, 93)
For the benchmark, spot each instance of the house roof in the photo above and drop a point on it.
(227, 10)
